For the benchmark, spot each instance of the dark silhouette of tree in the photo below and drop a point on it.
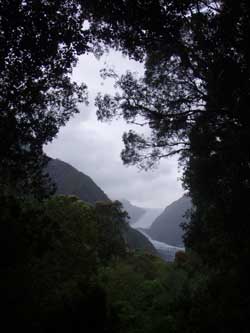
(39, 45)
(111, 221)
(51, 254)
(195, 98)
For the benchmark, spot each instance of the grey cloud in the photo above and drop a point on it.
(94, 148)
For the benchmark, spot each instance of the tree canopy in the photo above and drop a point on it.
(194, 97)
(39, 45)
(187, 79)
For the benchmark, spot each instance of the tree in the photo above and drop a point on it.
(49, 262)
(190, 101)
(111, 221)
(195, 98)
(182, 81)
(51, 254)
(39, 45)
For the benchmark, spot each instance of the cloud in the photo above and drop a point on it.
(94, 147)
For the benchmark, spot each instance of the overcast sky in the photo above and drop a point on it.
(94, 147)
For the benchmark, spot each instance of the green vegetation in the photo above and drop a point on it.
(195, 98)
(65, 266)
(69, 181)
(49, 258)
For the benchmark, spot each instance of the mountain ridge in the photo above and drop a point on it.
(70, 181)
(167, 226)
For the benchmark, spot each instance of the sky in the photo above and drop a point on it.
(94, 147)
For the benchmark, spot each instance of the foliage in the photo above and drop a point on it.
(64, 267)
(50, 252)
(38, 41)
(63, 262)
(131, 286)
(192, 105)
(48, 258)
(111, 221)
(144, 294)
(182, 84)
(39, 44)
(194, 96)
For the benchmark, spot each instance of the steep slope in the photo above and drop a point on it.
(166, 228)
(137, 241)
(70, 181)
(134, 212)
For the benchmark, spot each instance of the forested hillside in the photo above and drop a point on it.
(65, 265)
(70, 181)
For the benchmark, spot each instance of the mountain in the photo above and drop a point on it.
(70, 181)
(166, 228)
(134, 212)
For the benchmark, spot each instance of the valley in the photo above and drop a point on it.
(70, 181)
